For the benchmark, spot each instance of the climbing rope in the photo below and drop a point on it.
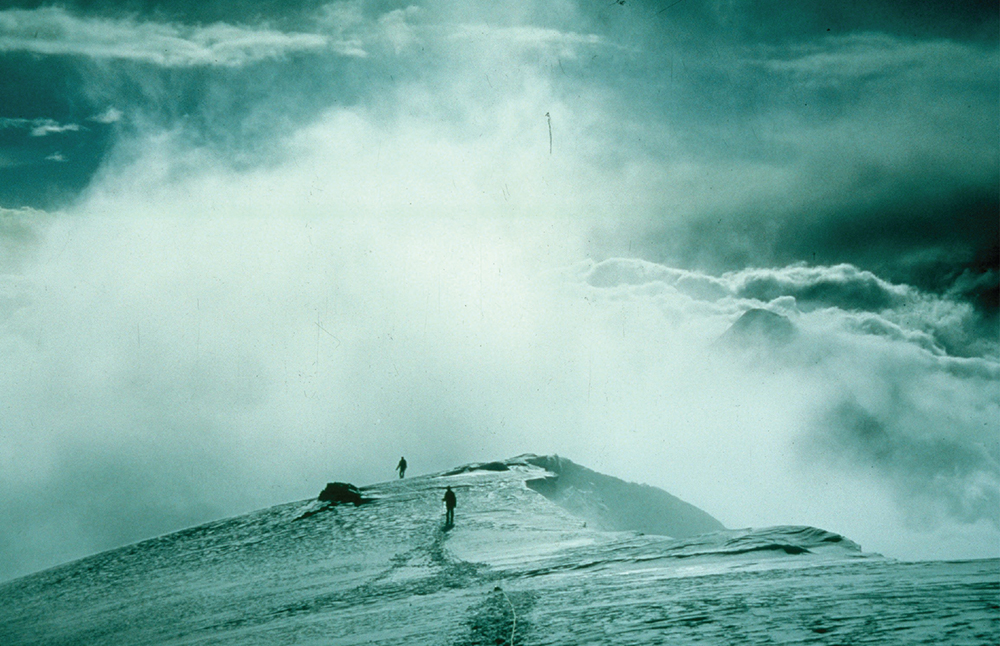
(513, 626)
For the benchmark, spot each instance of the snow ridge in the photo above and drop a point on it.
(613, 504)
(516, 568)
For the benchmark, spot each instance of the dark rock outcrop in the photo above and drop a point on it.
(338, 493)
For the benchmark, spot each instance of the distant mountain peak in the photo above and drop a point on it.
(758, 327)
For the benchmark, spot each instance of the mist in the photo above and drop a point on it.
(299, 247)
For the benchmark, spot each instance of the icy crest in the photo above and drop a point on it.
(515, 567)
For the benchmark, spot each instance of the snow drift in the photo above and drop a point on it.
(614, 504)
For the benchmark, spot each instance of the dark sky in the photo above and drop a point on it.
(249, 247)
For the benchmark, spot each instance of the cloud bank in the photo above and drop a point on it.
(303, 247)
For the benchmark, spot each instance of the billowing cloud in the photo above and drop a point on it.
(868, 303)
(842, 286)
(319, 236)
(894, 406)
(938, 468)
(207, 365)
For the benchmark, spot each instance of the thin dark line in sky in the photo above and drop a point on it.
(548, 117)
(673, 4)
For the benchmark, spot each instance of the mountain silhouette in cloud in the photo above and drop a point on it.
(759, 327)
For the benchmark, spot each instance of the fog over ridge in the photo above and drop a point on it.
(334, 233)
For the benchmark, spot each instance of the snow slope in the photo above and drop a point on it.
(516, 566)
(614, 504)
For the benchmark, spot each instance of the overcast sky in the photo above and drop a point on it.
(247, 248)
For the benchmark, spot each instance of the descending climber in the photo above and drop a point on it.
(401, 467)
(449, 504)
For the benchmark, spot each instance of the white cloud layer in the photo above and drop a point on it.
(39, 127)
(55, 31)
(877, 55)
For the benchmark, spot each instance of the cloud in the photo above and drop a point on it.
(21, 233)
(840, 149)
(111, 115)
(842, 286)
(874, 56)
(364, 30)
(938, 474)
(560, 43)
(39, 127)
(416, 314)
(867, 303)
(874, 324)
(893, 407)
(55, 31)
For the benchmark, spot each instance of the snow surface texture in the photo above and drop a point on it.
(516, 568)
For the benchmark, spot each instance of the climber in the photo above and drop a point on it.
(449, 504)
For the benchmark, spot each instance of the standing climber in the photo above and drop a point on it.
(449, 504)
(401, 467)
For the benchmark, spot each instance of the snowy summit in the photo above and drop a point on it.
(542, 551)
